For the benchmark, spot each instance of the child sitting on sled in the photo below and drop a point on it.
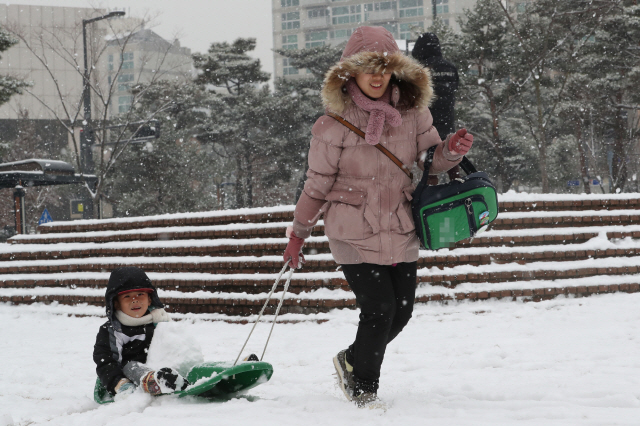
(120, 352)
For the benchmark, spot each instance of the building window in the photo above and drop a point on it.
(316, 38)
(124, 103)
(125, 78)
(110, 62)
(289, 3)
(290, 42)
(127, 61)
(124, 82)
(410, 8)
(442, 6)
(287, 69)
(341, 33)
(392, 28)
(522, 7)
(407, 29)
(376, 7)
(290, 20)
(347, 14)
(318, 13)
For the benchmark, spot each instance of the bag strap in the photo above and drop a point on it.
(381, 148)
(465, 165)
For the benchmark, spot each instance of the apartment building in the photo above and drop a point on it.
(140, 58)
(49, 55)
(44, 28)
(301, 24)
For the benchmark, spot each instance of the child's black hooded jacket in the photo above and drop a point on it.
(117, 344)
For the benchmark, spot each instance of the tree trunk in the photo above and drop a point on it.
(583, 157)
(249, 180)
(619, 148)
(300, 187)
(542, 140)
(95, 206)
(239, 182)
(503, 180)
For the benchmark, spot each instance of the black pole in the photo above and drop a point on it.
(18, 205)
(433, 6)
(86, 136)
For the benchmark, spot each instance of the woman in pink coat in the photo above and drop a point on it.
(365, 197)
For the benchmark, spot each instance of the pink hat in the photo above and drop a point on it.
(370, 39)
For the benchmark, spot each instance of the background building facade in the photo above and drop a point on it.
(299, 24)
(44, 28)
(146, 57)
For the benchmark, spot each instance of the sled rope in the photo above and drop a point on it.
(265, 306)
(286, 287)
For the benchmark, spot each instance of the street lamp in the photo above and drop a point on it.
(86, 137)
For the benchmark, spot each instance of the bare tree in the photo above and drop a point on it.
(111, 131)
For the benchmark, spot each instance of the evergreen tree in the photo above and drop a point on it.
(614, 71)
(9, 86)
(15, 150)
(548, 35)
(486, 95)
(174, 173)
(300, 105)
(239, 117)
(316, 60)
(229, 66)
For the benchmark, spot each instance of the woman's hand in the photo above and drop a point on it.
(293, 251)
(460, 143)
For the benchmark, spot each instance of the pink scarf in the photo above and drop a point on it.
(380, 111)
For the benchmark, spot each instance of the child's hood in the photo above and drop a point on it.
(128, 278)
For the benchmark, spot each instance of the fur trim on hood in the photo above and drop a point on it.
(413, 81)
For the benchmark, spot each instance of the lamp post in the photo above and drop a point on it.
(86, 136)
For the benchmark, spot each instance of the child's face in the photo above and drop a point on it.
(373, 85)
(134, 304)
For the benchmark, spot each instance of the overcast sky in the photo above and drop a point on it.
(197, 23)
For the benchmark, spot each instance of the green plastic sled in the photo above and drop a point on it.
(213, 380)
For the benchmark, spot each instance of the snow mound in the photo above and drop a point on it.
(174, 346)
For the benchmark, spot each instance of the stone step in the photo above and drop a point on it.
(506, 221)
(275, 246)
(216, 217)
(235, 231)
(241, 305)
(324, 262)
(306, 281)
(285, 214)
(599, 248)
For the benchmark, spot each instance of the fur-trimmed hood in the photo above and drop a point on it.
(413, 82)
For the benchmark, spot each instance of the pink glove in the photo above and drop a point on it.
(460, 142)
(294, 250)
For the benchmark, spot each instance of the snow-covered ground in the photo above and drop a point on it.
(560, 362)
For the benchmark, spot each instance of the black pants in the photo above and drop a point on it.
(385, 294)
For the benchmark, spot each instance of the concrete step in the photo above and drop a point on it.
(508, 203)
(211, 218)
(506, 221)
(324, 262)
(307, 280)
(275, 246)
(323, 301)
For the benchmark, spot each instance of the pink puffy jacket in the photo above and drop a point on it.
(364, 197)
